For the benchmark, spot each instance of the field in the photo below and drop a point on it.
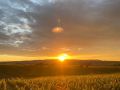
(53, 75)
(87, 82)
(45, 68)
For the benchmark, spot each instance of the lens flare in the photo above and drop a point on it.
(57, 30)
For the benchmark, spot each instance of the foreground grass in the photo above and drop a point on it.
(88, 82)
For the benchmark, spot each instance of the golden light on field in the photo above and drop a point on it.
(57, 30)
(63, 57)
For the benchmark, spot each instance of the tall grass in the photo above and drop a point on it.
(88, 82)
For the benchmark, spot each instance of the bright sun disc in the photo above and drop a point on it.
(63, 57)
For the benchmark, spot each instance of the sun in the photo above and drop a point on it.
(63, 57)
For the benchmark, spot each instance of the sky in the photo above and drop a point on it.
(91, 29)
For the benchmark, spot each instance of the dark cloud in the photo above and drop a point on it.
(26, 25)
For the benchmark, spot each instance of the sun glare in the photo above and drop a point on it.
(63, 57)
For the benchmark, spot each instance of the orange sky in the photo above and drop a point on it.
(79, 57)
(42, 29)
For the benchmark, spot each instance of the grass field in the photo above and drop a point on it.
(82, 82)
(53, 75)
(45, 68)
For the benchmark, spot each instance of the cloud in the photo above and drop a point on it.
(26, 25)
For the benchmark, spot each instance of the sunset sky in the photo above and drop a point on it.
(91, 29)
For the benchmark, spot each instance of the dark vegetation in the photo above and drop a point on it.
(39, 68)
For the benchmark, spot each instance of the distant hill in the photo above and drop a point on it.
(68, 62)
(37, 68)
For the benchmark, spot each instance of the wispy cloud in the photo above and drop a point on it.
(87, 24)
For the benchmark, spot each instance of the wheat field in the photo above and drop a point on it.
(87, 82)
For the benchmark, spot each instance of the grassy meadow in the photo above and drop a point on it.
(82, 82)
(53, 75)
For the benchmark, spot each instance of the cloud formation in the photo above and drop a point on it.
(25, 26)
